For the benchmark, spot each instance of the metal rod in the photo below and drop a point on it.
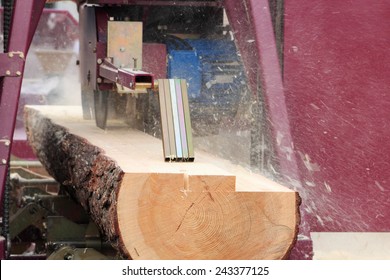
(175, 114)
(19, 180)
(171, 128)
(164, 121)
(183, 135)
(186, 108)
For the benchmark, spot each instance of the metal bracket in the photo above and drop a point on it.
(11, 64)
(4, 147)
(129, 78)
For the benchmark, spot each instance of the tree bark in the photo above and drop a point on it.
(150, 209)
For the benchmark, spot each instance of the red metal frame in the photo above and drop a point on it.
(11, 64)
(24, 21)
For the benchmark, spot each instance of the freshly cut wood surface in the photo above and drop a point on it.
(151, 209)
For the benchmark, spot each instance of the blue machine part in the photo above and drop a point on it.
(185, 64)
(211, 67)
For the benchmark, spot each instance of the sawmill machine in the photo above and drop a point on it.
(128, 48)
(211, 51)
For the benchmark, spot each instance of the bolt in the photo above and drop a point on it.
(10, 54)
(68, 256)
(99, 61)
(8, 72)
(4, 161)
(21, 55)
(7, 143)
(122, 49)
(99, 80)
(18, 73)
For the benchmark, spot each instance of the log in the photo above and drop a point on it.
(151, 209)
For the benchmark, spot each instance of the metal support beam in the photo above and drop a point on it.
(24, 21)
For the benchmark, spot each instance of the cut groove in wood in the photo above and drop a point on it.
(150, 209)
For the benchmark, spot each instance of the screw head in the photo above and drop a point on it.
(68, 256)
(99, 61)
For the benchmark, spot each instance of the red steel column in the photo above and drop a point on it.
(25, 19)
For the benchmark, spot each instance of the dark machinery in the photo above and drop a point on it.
(129, 49)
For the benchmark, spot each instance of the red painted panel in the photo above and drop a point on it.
(337, 81)
(154, 59)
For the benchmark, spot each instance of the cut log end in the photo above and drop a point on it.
(167, 217)
(149, 209)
